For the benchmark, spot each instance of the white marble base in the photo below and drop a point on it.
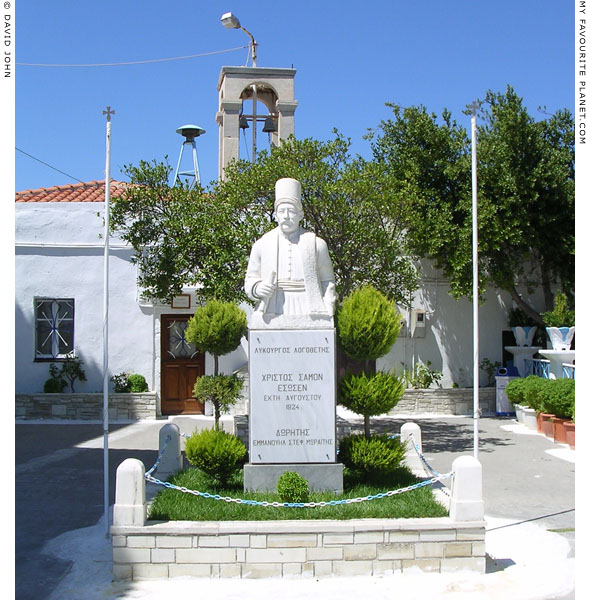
(292, 396)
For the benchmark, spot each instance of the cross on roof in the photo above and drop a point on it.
(108, 112)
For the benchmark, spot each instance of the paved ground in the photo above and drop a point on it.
(59, 488)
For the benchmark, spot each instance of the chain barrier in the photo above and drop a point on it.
(425, 462)
(149, 477)
(159, 459)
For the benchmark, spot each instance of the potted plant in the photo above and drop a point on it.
(531, 388)
(570, 430)
(523, 327)
(559, 323)
(558, 397)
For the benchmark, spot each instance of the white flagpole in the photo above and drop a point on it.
(475, 283)
(105, 329)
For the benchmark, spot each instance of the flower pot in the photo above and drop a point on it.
(570, 433)
(545, 425)
(524, 335)
(529, 417)
(559, 430)
(518, 409)
(561, 337)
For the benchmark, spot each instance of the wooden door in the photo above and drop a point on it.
(181, 364)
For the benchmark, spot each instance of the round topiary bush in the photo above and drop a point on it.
(532, 386)
(367, 323)
(370, 395)
(292, 487)
(557, 397)
(217, 453)
(54, 386)
(372, 457)
(137, 383)
(515, 391)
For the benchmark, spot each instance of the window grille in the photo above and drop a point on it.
(54, 328)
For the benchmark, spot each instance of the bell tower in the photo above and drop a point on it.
(271, 88)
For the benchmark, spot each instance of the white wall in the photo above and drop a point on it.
(448, 335)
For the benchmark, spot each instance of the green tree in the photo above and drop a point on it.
(350, 203)
(184, 237)
(525, 194)
(217, 328)
(203, 237)
(368, 325)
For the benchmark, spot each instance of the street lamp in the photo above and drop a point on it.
(230, 21)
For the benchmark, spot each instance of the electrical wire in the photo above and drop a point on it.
(137, 62)
(48, 165)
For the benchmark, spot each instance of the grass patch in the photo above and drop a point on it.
(174, 505)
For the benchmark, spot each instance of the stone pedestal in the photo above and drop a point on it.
(292, 408)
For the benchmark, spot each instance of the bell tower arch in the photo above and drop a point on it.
(273, 88)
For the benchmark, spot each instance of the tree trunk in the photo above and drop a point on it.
(529, 310)
(367, 427)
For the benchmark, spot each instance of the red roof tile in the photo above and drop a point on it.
(92, 191)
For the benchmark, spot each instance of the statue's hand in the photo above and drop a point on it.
(330, 299)
(265, 289)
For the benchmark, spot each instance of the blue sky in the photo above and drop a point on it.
(351, 58)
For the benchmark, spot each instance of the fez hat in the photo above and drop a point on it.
(288, 191)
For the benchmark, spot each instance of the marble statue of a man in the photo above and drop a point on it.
(290, 273)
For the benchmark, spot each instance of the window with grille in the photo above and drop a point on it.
(54, 328)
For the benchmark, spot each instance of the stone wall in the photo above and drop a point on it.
(448, 401)
(85, 406)
(263, 549)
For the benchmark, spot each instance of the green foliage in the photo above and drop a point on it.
(54, 386)
(489, 368)
(518, 318)
(138, 383)
(367, 323)
(525, 194)
(372, 458)
(121, 383)
(557, 397)
(370, 395)
(221, 390)
(292, 487)
(561, 315)
(125, 383)
(173, 505)
(215, 452)
(423, 376)
(515, 391)
(531, 392)
(70, 370)
(184, 237)
(217, 327)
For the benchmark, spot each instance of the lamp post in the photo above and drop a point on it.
(230, 21)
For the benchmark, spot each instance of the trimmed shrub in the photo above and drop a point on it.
(138, 383)
(372, 458)
(557, 397)
(221, 390)
(217, 453)
(532, 386)
(367, 323)
(370, 395)
(515, 391)
(217, 327)
(54, 386)
(292, 487)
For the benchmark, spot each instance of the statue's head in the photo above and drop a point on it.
(288, 209)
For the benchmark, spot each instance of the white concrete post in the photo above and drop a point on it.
(130, 504)
(466, 490)
(171, 461)
(412, 460)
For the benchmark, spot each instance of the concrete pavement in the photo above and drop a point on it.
(528, 487)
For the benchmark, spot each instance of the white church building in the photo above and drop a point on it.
(59, 258)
